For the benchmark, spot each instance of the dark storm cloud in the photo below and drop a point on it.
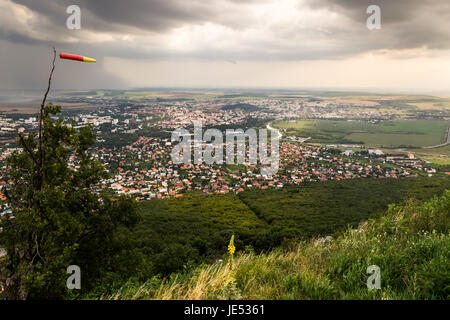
(393, 10)
(16, 37)
(150, 15)
(405, 23)
(55, 10)
(153, 14)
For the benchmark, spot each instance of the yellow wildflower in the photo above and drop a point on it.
(231, 250)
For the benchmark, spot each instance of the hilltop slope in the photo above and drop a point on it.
(410, 244)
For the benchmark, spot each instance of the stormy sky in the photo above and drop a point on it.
(228, 43)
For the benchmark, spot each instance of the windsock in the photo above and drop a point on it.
(75, 57)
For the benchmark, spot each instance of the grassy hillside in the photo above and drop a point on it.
(410, 244)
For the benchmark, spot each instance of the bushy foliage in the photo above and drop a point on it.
(57, 220)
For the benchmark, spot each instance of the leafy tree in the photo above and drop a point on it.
(57, 219)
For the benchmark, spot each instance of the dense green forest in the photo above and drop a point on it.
(410, 244)
(323, 208)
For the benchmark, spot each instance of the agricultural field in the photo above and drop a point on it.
(399, 105)
(432, 103)
(387, 134)
(136, 95)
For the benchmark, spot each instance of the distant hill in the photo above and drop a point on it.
(81, 93)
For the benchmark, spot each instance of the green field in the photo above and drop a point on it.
(439, 161)
(388, 134)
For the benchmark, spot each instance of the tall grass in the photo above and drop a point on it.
(410, 244)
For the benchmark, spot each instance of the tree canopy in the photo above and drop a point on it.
(57, 220)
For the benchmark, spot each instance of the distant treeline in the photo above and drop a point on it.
(82, 93)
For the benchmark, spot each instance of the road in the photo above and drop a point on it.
(442, 144)
(274, 130)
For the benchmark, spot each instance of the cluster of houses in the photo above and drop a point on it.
(145, 170)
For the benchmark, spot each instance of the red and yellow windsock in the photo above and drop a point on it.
(75, 57)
